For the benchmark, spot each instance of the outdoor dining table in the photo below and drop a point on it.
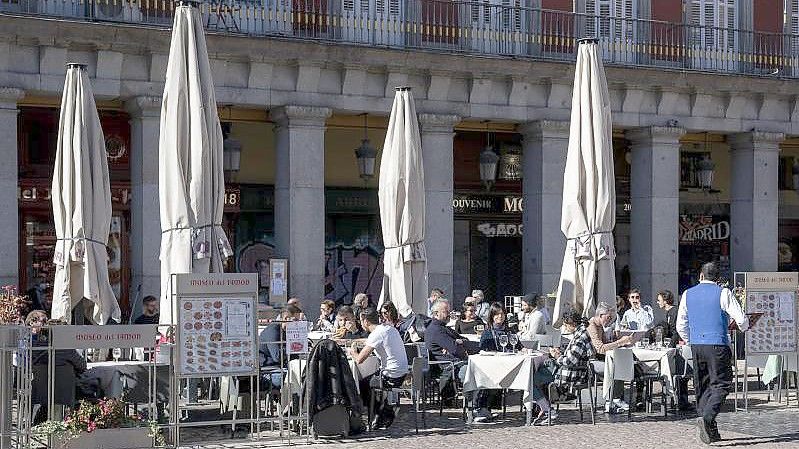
(504, 371)
(127, 380)
(656, 359)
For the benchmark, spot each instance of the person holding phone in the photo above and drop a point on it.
(703, 320)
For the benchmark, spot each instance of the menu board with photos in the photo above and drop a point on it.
(217, 336)
(775, 331)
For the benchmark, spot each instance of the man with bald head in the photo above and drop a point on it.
(446, 345)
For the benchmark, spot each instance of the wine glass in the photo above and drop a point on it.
(513, 340)
(503, 341)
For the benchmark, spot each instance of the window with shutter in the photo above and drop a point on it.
(794, 18)
(348, 5)
(486, 12)
(713, 23)
(394, 7)
(610, 18)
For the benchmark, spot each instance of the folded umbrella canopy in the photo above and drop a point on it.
(191, 175)
(81, 196)
(588, 215)
(402, 209)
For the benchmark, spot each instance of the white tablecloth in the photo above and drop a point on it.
(663, 357)
(498, 372)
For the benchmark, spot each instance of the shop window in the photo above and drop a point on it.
(785, 173)
(689, 169)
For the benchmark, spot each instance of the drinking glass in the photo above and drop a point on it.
(645, 342)
(513, 340)
(117, 353)
(503, 341)
(479, 328)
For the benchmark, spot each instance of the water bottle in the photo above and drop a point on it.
(659, 337)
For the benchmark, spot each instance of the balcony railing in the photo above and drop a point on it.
(496, 27)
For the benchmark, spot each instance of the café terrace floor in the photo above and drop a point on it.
(766, 425)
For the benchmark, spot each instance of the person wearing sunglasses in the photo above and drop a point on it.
(638, 317)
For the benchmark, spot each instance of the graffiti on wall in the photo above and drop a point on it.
(350, 270)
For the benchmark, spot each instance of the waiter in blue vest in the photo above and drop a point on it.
(703, 320)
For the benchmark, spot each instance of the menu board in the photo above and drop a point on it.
(217, 336)
(297, 337)
(775, 331)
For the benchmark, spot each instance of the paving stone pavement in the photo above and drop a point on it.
(765, 426)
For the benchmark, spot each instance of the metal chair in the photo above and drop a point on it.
(417, 391)
(577, 389)
(687, 355)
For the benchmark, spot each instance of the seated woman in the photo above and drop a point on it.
(389, 314)
(572, 364)
(347, 325)
(466, 324)
(497, 327)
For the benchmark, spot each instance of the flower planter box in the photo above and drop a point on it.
(124, 438)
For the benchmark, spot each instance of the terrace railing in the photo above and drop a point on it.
(506, 28)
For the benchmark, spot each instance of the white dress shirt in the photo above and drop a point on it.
(728, 304)
(643, 317)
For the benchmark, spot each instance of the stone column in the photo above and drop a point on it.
(543, 244)
(9, 243)
(300, 199)
(9, 219)
(437, 133)
(654, 218)
(754, 200)
(145, 214)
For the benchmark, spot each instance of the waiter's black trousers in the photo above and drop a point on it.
(712, 378)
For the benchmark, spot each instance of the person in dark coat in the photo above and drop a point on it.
(329, 381)
(69, 365)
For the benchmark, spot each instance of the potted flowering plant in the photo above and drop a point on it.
(104, 424)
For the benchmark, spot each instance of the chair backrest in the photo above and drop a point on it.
(419, 369)
(423, 352)
(623, 364)
(688, 355)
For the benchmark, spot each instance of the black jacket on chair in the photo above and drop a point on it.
(329, 381)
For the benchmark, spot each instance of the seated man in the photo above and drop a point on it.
(385, 340)
(602, 344)
(327, 316)
(347, 327)
(272, 338)
(445, 345)
(533, 319)
(637, 317)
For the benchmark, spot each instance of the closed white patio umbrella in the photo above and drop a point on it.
(402, 209)
(191, 174)
(81, 196)
(589, 195)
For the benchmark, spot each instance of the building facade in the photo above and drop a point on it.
(301, 84)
